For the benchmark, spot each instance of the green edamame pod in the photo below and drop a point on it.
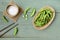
(5, 19)
(26, 10)
(15, 31)
(43, 17)
(33, 12)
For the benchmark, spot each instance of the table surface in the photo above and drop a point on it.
(26, 29)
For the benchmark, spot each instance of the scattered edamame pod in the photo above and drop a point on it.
(25, 13)
(15, 31)
(33, 12)
(4, 18)
(26, 10)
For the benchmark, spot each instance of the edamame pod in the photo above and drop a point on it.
(33, 12)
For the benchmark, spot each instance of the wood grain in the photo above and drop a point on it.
(26, 29)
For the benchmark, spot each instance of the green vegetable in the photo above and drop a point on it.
(5, 19)
(43, 17)
(26, 16)
(26, 10)
(15, 31)
(25, 13)
(33, 12)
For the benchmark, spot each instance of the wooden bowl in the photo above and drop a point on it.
(14, 18)
(13, 9)
(46, 25)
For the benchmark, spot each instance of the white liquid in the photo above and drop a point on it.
(13, 10)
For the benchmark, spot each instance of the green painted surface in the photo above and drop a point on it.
(26, 29)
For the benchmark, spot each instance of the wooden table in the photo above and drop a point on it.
(26, 29)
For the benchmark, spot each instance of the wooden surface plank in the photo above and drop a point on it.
(26, 29)
(33, 3)
(29, 39)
